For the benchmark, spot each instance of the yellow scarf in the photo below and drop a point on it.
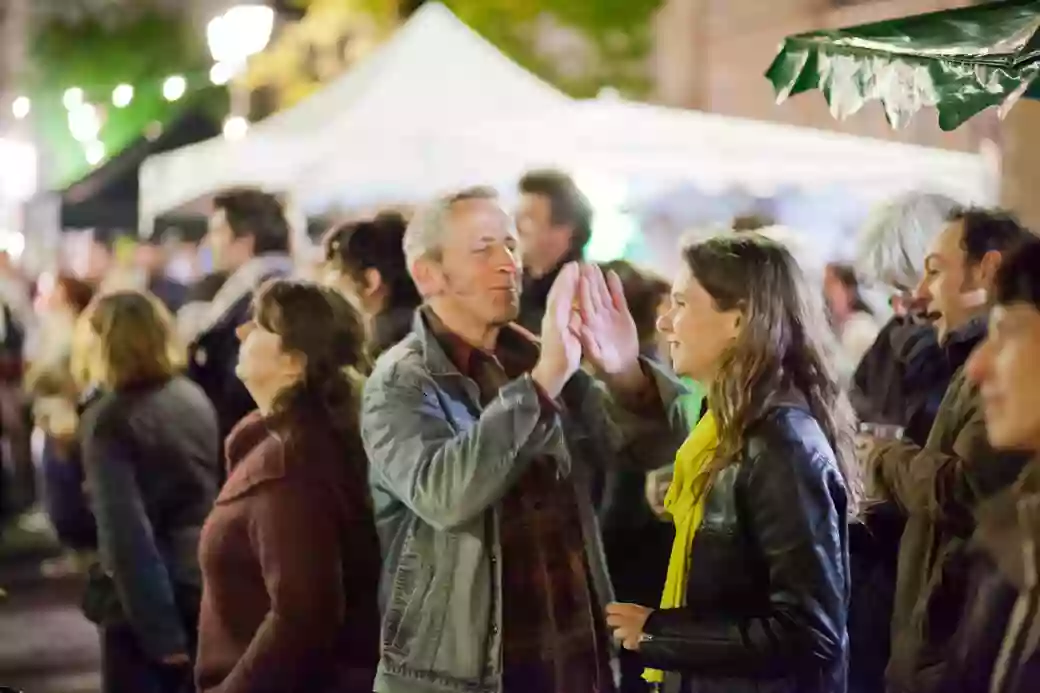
(686, 506)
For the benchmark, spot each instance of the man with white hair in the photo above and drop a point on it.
(901, 379)
(481, 442)
(897, 235)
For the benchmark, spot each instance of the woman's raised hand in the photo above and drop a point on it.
(608, 332)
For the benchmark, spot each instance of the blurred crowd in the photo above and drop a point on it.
(455, 456)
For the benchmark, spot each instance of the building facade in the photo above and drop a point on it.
(712, 55)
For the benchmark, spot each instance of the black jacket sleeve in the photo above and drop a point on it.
(794, 511)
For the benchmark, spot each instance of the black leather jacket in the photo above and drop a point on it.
(768, 591)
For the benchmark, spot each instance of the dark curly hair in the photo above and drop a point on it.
(356, 246)
(253, 212)
(322, 326)
(567, 204)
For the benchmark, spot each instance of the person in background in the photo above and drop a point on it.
(939, 486)
(150, 258)
(902, 377)
(59, 392)
(193, 315)
(636, 541)
(900, 381)
(483, 443)
(994, 651)
(758, 582)
(554, 223)
(365, 260)
(852, 319)
(250, 236)
(98, 263)
(290, 554)
(16, 323)
(59, 304)
(150, 450)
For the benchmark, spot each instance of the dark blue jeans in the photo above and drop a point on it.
(64, 499)
(125, 668)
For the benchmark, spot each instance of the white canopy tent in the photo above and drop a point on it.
(438, 107)
(435, 75)
(642, 141)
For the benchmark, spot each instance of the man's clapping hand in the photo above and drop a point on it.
(587, 316)
(561, 342)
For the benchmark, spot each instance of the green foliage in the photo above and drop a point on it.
(98, 52)
(618, 32)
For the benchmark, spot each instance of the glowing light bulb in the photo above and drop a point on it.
(95, 153)
(174, 87)
(236, 127)
(220, 73)
(73, 97)
(122, 96)
(84, 122)
(20, 107)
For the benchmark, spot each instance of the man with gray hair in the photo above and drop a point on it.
(481, 442)
(900, 379)
(896, 237)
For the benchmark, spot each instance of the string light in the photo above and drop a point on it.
(220, 73)
(20, 107)
(73, 97)
(122, 96)
(236, 127)
(174, 87)
(95, 153)
(84, 122)
(85, 119)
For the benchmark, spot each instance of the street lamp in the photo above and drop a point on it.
(234, 37)
(239, 33)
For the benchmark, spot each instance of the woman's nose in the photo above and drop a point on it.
(243, 330)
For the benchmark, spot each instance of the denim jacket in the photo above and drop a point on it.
(439, 465)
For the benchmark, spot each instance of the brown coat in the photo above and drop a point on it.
(939, 487)
(290, 562)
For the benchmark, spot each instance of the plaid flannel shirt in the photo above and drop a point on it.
(554, 638)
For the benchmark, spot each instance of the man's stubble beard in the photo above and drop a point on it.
(466, 295)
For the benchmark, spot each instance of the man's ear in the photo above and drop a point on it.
(428, 277)
(988, 267)
(373, 282)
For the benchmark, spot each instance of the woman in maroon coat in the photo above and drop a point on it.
(290, 555)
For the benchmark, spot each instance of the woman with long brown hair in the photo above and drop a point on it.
(758, 583)
(290, 555)
(150, 451)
